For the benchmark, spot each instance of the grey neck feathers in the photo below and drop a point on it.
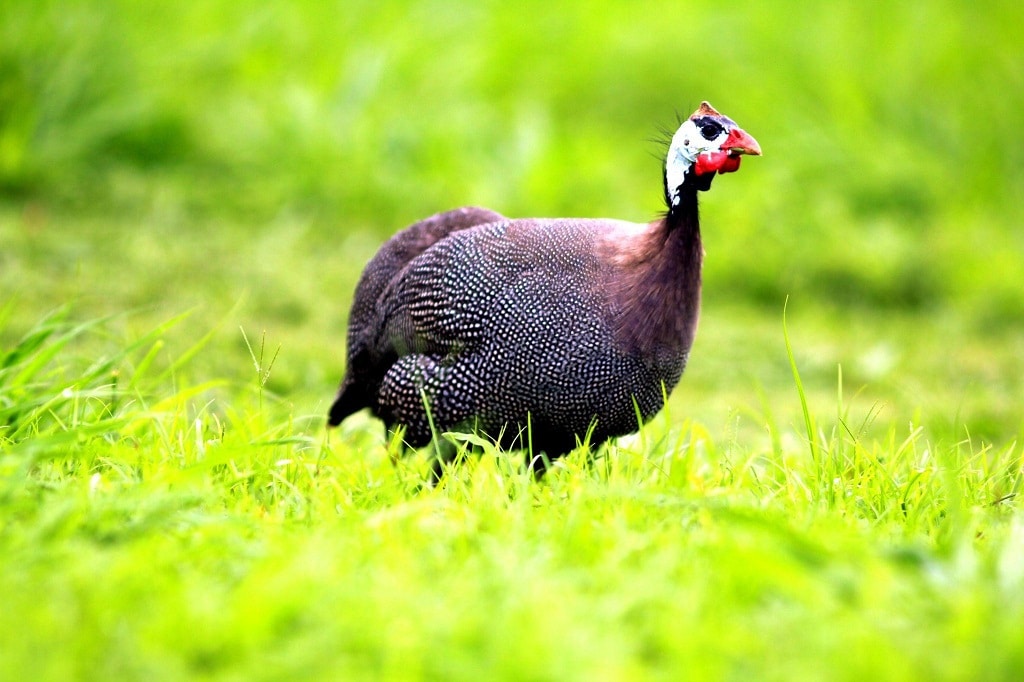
(660, 290)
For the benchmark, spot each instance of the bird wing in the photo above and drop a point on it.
(368, 359)
(501, 298)
(434, 311)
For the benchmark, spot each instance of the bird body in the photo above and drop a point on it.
(556, 329)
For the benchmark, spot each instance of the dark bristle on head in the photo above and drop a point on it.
(560, 329)
(663, 140)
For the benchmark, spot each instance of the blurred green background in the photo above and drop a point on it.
(244, 159)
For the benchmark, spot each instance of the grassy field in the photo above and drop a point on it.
(188, 194)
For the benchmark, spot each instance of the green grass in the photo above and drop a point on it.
(149, 532)
(193, 190)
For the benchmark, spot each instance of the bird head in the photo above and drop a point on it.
(705, 144)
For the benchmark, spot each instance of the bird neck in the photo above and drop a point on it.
(660, 288)
(682, 220)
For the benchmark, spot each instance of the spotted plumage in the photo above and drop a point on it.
(555, 328)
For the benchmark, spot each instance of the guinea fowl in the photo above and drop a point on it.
(555, 330)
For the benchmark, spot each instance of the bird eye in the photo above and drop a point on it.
(710, 131)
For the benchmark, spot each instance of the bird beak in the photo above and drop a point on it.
(739, 142)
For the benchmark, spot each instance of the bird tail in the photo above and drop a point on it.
(350, 399)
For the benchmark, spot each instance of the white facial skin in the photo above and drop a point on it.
(687, 144)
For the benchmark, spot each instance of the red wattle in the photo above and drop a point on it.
(716, 162)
